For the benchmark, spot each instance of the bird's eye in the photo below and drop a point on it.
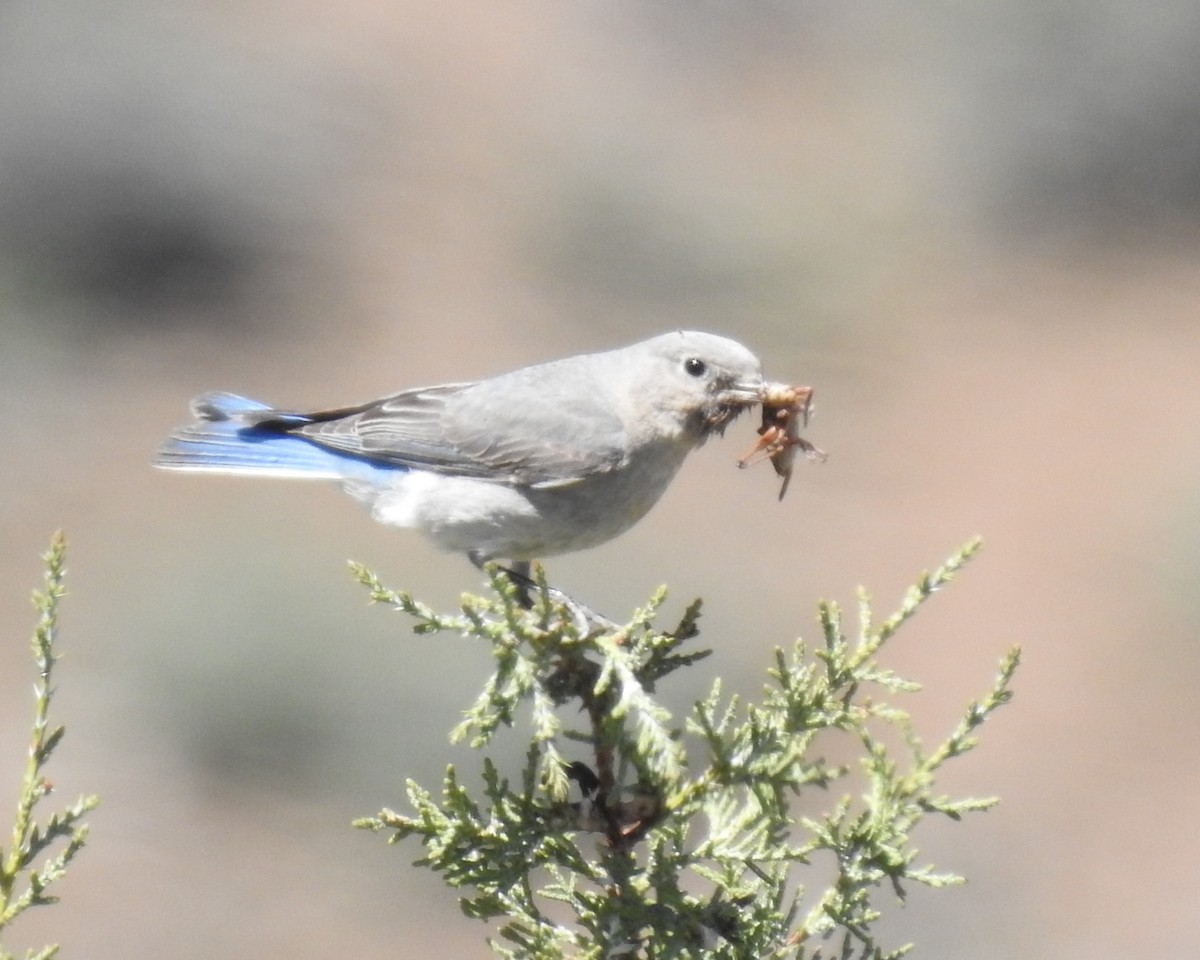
(695, 366)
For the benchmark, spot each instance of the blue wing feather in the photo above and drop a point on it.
(225, 439)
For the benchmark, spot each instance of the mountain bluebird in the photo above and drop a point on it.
(542, 461)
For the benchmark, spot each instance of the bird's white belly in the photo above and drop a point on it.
(525, 523)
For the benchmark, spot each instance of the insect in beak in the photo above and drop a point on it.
(785, 410)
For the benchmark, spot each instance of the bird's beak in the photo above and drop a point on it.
(744, 393)
(733, 400)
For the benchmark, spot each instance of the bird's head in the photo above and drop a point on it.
(698, 382)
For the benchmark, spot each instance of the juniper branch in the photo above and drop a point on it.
(698, 850)
(27, 867)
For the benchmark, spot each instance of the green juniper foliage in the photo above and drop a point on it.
(27, 865)
(661, 846)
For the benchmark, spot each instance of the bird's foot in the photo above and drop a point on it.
(586, 621)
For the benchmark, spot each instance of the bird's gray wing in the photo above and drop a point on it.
(507, 429)
(403, 429)
(548, 425)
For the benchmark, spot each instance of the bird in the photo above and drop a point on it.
(542, 461)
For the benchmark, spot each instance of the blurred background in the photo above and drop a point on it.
(973, 228)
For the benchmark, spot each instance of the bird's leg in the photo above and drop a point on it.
(518, 573)
(586, 620)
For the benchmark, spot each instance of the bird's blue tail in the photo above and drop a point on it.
(224, 438)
